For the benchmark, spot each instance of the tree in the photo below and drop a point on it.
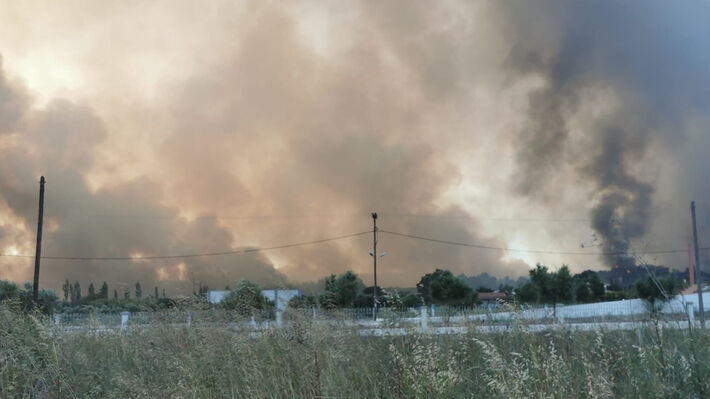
(246, 299)
(328, 298)
(555, 287)
(115, 294)
(392, 298)
(92, 292)
(103, 292)
(441, 287)
(139, 291)
(528, 293)
(126, 293)
(21, 299)
(343, 291)
(302, 301)
(658, 291)
(347, 287)
(156, 292)
(66, 287)
(588, 287)
(8, 290)
(76, 292)
(561, 289)
(412, 300)
(542, 280)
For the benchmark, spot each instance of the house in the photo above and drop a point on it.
(280, 298)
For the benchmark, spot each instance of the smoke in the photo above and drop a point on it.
(13, 102)
(622, 213)
(59, 141)
(250, 150)
(258, 125)
(618, 84)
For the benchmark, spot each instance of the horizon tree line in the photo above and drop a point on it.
(73, 294)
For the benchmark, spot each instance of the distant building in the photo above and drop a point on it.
(491, 297)
(216, 296)
(280, 298)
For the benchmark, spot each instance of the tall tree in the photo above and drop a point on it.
(76, 292)
(329, 298)
(562, 286)
(103, 292)
(347, 287)
(139, 291)
(126, 293)
(552, 287)
(115, 294)
(66, 287)
(92, 292)
(542, 280)
(156, 292)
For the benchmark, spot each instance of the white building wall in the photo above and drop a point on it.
(280, 298)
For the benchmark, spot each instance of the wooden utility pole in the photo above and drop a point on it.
(697, 267)
(374, 260)
(38, 248)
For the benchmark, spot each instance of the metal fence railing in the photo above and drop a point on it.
(499, 314)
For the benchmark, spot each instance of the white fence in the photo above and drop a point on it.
(616, 314)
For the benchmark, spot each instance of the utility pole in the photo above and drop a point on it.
(38, 248)
(697, 267)
(374, 260)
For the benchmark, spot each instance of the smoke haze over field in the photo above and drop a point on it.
(180, 127)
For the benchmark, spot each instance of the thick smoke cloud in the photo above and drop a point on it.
(59, 141)
(269, 128)
(262, 124)
(646, 58)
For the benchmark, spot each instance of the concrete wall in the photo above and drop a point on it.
(279, 297)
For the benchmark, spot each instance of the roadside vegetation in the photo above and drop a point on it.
(307, 360)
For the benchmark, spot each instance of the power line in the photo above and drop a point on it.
(534, 251)
(318, 215)
(195, 255)
(487, 219)
(298, 244)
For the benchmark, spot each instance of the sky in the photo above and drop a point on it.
(185, 127)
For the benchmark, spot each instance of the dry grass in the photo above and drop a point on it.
(308, 360)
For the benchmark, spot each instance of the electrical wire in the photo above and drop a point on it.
(487, 219)
(195, 255)
(533, 251)
(320, 215)
(298, 244)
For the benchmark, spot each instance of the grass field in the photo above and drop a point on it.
(308, 360)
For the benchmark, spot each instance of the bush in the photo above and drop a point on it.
(412, 300)
(246, 299)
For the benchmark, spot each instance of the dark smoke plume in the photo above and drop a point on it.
(650, 81)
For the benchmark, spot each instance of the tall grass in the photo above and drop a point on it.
(313, 360)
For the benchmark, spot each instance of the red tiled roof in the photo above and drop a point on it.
(490, 296)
